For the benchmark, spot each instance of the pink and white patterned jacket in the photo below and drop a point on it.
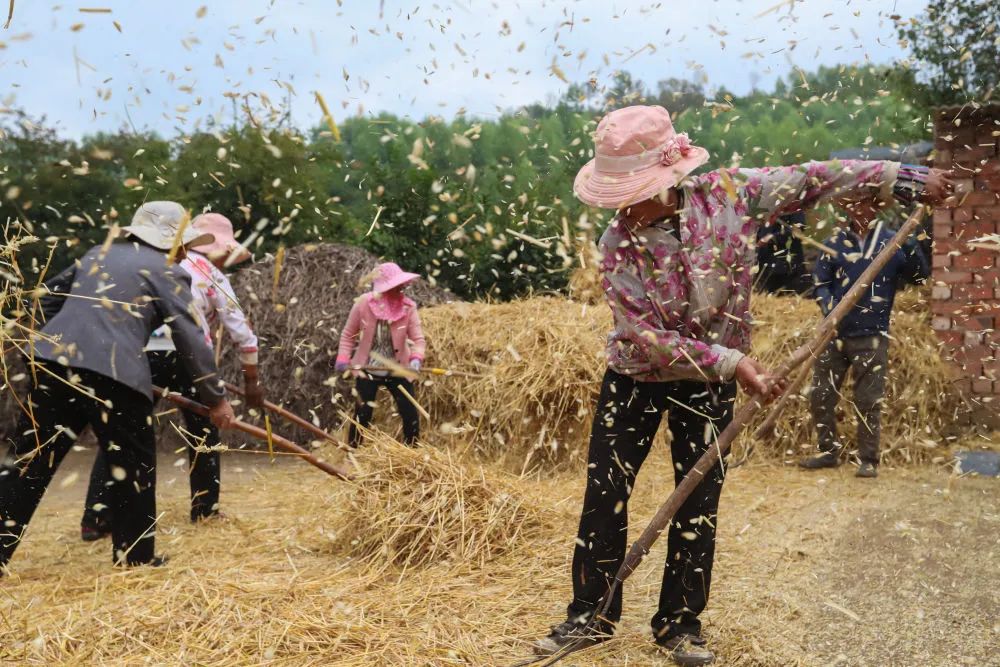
(682, 306)
(215, 302)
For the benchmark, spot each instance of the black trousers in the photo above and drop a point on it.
(204, 467)
(627, 417)
(365, 390)
(122, 421)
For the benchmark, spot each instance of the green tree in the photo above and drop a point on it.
(955, 45)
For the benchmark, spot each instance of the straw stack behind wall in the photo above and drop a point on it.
(543, 358)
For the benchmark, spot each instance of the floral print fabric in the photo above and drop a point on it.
(681, 298)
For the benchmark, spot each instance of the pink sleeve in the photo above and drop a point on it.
(349, 336)
(415, 334)
(780, 190)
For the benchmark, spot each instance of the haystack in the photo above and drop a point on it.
(543, 360)
(418, 506)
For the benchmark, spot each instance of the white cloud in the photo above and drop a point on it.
(418, 58)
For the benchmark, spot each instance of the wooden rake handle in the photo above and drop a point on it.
(805, 354)
(259, 433)
(290, 416)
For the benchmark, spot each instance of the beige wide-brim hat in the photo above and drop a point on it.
(158, 223)
(637, 154)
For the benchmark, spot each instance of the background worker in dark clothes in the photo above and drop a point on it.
(781, 261)
(90, 369)
(862, 342)
(215, 303)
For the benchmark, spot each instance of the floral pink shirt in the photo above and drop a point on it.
(681, 306)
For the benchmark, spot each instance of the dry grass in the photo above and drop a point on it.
(416, 506)
(277, 584)
(542, 361)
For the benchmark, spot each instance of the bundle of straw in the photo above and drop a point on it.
(543, 362)
(415, 507)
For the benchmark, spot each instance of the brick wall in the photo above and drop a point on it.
(966, 280)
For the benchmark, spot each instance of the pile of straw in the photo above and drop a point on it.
(418, 506)
(543, 360)
(299, 316)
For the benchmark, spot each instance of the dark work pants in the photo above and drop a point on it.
(204, 467)
(365, 390)
(867, 358)
(122, 421)
(627, 417)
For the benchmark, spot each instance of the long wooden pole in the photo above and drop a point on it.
(259, 433)
(805, 353)
(290, 416)
(766, 430)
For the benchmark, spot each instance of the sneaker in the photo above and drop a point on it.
(90, 533)
(572, 635)
(687, 650)
(821, 460)
(868, 470)
(155, 561)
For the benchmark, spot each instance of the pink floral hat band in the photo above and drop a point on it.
(668, 153)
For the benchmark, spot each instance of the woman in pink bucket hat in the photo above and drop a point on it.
(383, 325)
(677, 267)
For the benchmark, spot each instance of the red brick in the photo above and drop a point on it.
(987, 277)
(944, 307)
(984, 213)
(953, 277)
(950, 339)
(941, 324)
(941, 261)
(974, 229)
(980, 386)
(976, 260)
(941, 230)
(977, 199)
(950, 244)
(942, 216)
(975, 292)
(963, 214)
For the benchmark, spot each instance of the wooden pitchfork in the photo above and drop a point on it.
(804, 355)
(290, 416)
(259, 433)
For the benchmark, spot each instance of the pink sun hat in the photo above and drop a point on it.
(225, 244)
(389, 276)
(637, 154)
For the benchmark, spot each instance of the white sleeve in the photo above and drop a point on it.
(233, 318)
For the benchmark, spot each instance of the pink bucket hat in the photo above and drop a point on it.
(637, 154)
(389, 276)
(225, 244)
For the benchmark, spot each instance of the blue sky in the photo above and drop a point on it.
(172, 62)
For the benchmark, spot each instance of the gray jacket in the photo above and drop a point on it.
(100, 312)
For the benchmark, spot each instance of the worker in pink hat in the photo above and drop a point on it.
(383, 326)
(677, 269)
(215, 303)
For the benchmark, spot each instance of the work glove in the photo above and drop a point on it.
(415, 364)
(251, 388)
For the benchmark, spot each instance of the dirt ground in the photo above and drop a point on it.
(812, 570)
